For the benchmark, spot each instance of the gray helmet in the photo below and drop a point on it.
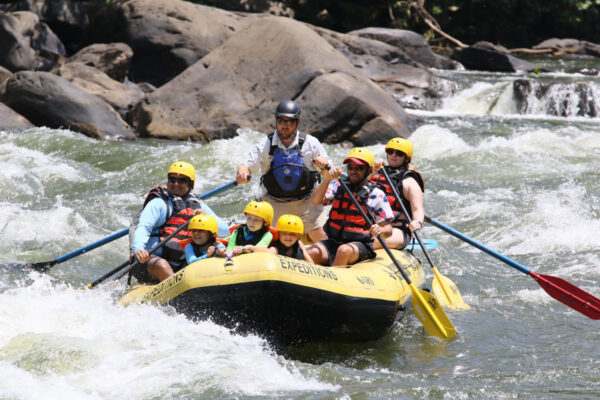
(288, 108)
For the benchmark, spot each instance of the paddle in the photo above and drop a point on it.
(424, 304)
(558, 288)
(46, 265)
(161, 243)
(445, 290)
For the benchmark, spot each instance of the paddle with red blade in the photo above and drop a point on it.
(558, 288)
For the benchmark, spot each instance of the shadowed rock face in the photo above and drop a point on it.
(10, 120)
(49, 100)
(166, 36)
(27, 44)
(269, 59)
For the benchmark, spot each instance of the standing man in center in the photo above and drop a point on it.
(288, 159)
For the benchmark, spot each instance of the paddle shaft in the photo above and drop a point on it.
(406, 214)
(478, 245)
(44, 266)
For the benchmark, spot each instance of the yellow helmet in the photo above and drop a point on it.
(401, 144)
(362, 154)
(205, 222)
(261, 209)
(290, 223)
(183, 168)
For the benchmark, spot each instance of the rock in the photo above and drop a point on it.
(561, 99)
(66, 18)
(28, 44)
(240, 83)
(11, 121)
(49, 100)
(111, 58)
(484, 56)
(373, 57)
(4, 75)
(92, 80)
(166, 36)
(411, 43)
(570, 46)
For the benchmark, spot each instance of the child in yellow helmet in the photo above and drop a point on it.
(203, 244)
(290, 229)
(255, 232)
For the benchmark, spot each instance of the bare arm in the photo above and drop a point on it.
(412, 192)
(318, 195)
(307, 256)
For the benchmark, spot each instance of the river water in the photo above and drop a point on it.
(519, 177)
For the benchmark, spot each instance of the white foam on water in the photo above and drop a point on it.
(58, 342)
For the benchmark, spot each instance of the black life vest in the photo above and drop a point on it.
(287, 177)
(179, 215)
(241, 240)
(397, 176)
(345, 223)
(283, 250)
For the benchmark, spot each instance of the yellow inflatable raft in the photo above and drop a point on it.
(287, 300)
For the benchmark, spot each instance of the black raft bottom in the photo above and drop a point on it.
(285, 313)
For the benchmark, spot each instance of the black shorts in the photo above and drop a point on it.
(365, 249)
(140, 271)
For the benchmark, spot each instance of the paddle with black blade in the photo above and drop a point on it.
(445, 290)
(425, 305)
(158, 245)
(46, 265)
(558, 288)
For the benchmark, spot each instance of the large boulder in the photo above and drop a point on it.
(111, 58)
(11, 121)
(49, 100)
(166, 36)
(66, 18)
(412, 84)
(28, 44)
(485, 56)
(560, 47)
(92, 80)
(240, 83)
(411, 43)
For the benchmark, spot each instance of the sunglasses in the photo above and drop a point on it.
(173, 179)
(289, 122)
(394, 151)
(352, 167)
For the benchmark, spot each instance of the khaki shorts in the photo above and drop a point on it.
(312, 217)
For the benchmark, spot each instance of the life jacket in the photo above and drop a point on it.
(397, 176)
(287, 177)
(345, 223)
(282, 249)
(179, 215)
(240, 240)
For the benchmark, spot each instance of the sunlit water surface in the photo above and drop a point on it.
(525, 184)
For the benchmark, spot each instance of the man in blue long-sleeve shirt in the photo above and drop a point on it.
(165, 209)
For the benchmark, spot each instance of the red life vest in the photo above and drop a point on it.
(397, 176)
(345, 223)
(175, 218)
